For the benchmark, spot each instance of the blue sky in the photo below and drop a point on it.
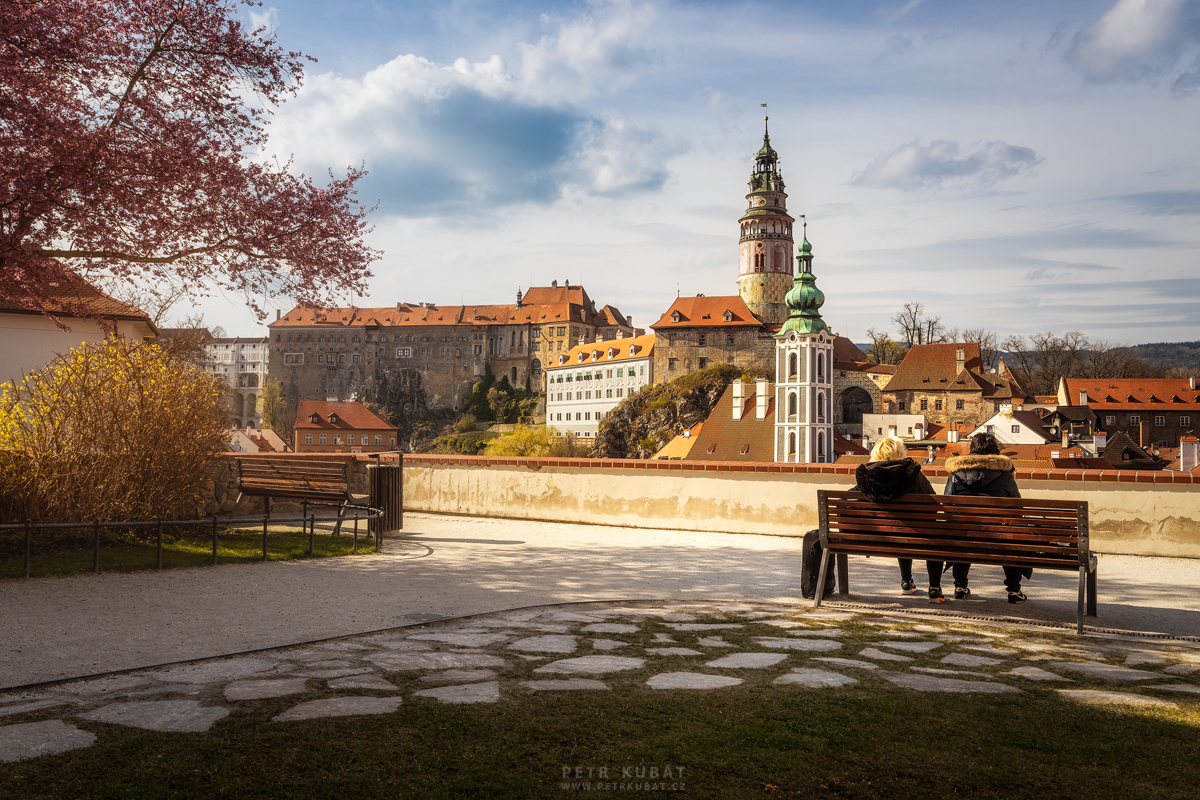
(1019, 166)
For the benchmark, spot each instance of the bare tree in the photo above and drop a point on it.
(883, 350)
(989, 344)
(916, 328)
(1041, 361)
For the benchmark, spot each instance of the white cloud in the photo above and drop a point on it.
(268, 19)
(618, 157)
(893, 13)
(1136, 39)
(915, 166)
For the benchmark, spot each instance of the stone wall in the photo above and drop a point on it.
(1134, 513)
(220, 496)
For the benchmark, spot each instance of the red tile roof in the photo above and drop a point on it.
(598, 352)
(351, 416)
(708, 312)
(745, 439)
(76, 299)
(929, 367)
(1134, 394)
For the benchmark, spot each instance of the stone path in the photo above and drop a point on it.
(506, 656)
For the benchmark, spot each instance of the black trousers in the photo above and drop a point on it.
(935, 573)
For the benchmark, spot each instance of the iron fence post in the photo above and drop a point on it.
(158, 546)
(214, 540)
(356, 534)
(28, 542)
(265, 518)
(96, 552)
(312, 529)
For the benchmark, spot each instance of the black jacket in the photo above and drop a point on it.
(981, 476)
(885, 481)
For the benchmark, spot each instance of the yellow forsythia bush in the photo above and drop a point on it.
(114, 430)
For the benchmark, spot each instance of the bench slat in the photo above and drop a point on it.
(952, 531)
(950, 500)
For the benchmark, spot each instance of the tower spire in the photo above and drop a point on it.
(765, 266)
(804, 301)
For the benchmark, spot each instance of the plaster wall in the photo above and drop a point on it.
(32, 341)
(1145, 519)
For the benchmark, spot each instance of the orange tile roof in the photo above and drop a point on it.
(745, 439)
(351, 416)
(846, 350)
(599, 352)
(1134, 394)
(931, 367)
(70, 299)
(708, 312)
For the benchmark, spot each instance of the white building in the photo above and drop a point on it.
(1016, 427)
(910, 427)
(242, 362)
(586, 382)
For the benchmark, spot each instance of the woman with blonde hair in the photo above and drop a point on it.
(891, 474)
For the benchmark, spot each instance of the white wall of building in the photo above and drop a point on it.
(242, 362)
(1008, 430)
(580, 393)
(31, 341)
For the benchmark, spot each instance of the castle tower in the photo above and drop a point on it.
(804, 373)
(765, 258)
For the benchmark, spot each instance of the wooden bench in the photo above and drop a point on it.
(1042, 534)
(324, 482)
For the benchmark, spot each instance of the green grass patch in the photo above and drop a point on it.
(232, 547)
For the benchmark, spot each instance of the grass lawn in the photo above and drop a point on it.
(868, 740)
(232, 547)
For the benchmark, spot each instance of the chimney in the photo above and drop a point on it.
(1189, 453)
(760, 403)
(278, 313)
(1192, 384)
(960, 359)
(518, 298)
(1001, 367)
(1099, 442)
(1142, 434)
(1082, 398)
(952, 436)
(554, 283)
(1066, 438)
(739, 399)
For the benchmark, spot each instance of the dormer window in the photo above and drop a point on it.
(612, 352)
(675, 316)
(595, 355)
(633, 348)
(333, 418)
(582, 356)
(314, 418)
(728, 315)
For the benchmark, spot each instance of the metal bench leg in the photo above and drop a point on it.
(337, 526)
(818, 595)
(843, 573)
(1091, 593)
(1082, 588)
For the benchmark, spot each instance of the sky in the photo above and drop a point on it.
(1018, 166)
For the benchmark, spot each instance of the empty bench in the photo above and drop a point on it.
(1042, 534)
(322, 482)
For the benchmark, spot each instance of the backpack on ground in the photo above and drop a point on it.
(810, 567)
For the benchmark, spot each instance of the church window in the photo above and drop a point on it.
(792, 363)
(791, 405)
(820, 447)
(791, 444)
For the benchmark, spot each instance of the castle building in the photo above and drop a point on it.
(766, 244)
(586, 382)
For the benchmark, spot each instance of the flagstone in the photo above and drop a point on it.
(1036, 674)
(174, 716)
(847, 662)
(1109, 672)
(573, 616)
(1040, 657)
(663, 637)
(1099, 697)
(702, 626)
(968, 660)
(466, 693)
(566, 685)
(679, 617)
(263, 689)
(610, 627)
(928, 628)
(553, 643)
(608, 644)
(339, 707)
(1182, 669)
(32, 739)
(35, 705)
(910, 647)
(782, 623)
(734, 608)
(333, 673)
(831, 615)
(714, 641)
(673, 651)
(758, 614)
(174, 688)
(461, 639)
(1176, 687)
(691, 680)
(987, 648)
(879, 655)
(593, 665)
(345, 646)
(333, 663)
(931, 683)
(747, 660)
(460, 676)
(936, 671)
(814, 678)
(1136, 659)
(405, 647)
(103, 685)
(818, 632)
(369, 682)
(397, 662)
(904, 634)
(810, 645)
(229, 669)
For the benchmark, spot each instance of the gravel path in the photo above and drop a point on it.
(55, 628)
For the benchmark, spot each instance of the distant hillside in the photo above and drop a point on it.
(1179, 355)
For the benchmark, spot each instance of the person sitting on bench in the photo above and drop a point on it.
(891, 474)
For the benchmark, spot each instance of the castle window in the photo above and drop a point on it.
(924, 405)
(702, 339)
(959, 405)
(728, 337)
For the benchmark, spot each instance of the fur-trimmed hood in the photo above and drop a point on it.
(991, 463)
(885, 481)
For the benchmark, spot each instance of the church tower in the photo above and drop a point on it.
(765, 258)
(804, 373)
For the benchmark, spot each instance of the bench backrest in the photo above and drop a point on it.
(286, 477)
(979, 530)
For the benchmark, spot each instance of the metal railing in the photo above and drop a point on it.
(307, 521)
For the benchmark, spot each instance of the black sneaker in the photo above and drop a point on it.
(1017, 597)
(935, 595)
(962, 593)
(908, 587)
